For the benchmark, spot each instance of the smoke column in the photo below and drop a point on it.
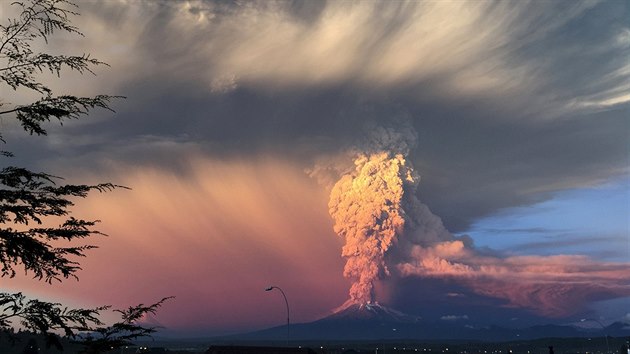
(366, 206)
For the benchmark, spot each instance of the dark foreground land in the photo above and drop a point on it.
(32, 344)
(538, 346)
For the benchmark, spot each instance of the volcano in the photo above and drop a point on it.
(372, 312)
(368, 321)
(373, 321)
(350, 322)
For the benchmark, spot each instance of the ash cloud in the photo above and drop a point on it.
(502, 104)
(506, 109)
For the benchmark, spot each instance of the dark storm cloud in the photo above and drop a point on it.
(511, 101)
(472, 168)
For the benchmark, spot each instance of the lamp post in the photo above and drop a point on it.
(286, 303)
(603, 329)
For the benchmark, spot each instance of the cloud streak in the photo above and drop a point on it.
(484, 49)
(550, 285)
(511, 56)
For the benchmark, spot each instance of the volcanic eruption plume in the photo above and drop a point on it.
(367, 212)
(372, 204)
(366, 206)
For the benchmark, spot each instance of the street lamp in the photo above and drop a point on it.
(287, 303)
(603, 329)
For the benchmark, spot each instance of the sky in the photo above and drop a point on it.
(462, 160)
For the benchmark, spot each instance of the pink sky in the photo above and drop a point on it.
(213, 236)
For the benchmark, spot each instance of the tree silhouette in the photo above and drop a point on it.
(28, 199)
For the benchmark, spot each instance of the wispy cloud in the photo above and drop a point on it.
(455, 295)
(574, 240)
(529, 230)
